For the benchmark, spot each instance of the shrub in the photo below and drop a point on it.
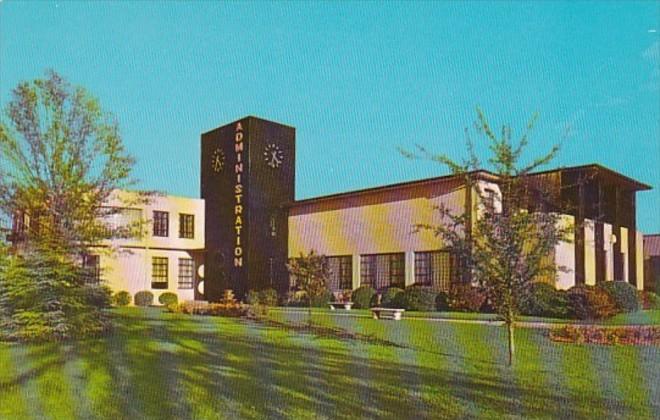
(168, 298)
(228, 297)
(99, 296)
(257, 311)
(43, 296)
(649, 300)
(362, 297)
(268, 297)
(252, 297)
(144, 298)
(212, 309)
(442, 301)
(418, 298)
(589, 302)
(323, 299)
(391, 298)
(542, 299)
(623, 294)
(122, 298)
(344, 296)
(466, 298)
(296, 299)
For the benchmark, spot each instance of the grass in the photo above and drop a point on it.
(648, 317)
(161, 365)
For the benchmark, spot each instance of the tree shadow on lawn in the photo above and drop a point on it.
(323, 332)
(275, 379)
(240, 369)
(42, 358)
(281, 378)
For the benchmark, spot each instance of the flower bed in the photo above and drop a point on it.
(213, 309)
(628, 335)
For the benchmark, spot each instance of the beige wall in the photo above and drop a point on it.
(375, 223)
(386, 225)
(609, 252)
(639, 254)
(130, 270)
(126, 263)
(623, 237)
(589, 252)
(174, 206)
(565, 257)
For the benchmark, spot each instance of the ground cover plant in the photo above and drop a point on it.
(637, 335)
(162, 365)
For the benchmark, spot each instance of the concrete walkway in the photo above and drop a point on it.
(519, 324)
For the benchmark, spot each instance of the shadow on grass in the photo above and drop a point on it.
(320, 331)
(164, 366)
(325, 332)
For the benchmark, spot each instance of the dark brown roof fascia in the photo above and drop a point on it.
(481, 174)
(636, 184)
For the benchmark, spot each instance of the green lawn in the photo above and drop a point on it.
(160, 365)
(650, 317)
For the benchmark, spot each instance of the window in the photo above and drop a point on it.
(122, 222)
(92, 268)
(367, 270)
(161, 223)
(435, 269)
(187, 226)
(186, 273)
(341, 272)
(397, 273)
(383, 270)
(159, 273)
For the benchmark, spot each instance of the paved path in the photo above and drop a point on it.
(523, 324)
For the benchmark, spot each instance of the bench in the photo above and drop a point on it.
(387, 313)
(345, 305)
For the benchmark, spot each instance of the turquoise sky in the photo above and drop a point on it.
(356, 80)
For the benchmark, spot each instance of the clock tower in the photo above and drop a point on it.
(247, 180)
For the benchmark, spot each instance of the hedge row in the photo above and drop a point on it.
(420, 298)
(586, 302)
(143, 298)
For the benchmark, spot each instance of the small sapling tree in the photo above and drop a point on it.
(310, 274)
(508, 245)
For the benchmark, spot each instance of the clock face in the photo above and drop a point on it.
(217, 160)
(273, 156)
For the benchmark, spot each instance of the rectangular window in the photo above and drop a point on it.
(159, 272)
(92, 267)
(397, 277)
(161, 223)
(435, 269)
(187, 226)
(341, 272)
(383, 270)
(122, 222)
(367, 270)
(186, 273)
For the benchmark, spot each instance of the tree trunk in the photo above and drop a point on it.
(309, 314)
(509, 327)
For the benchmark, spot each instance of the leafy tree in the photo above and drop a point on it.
(310, 274)
(506, 247)
(61, 161)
